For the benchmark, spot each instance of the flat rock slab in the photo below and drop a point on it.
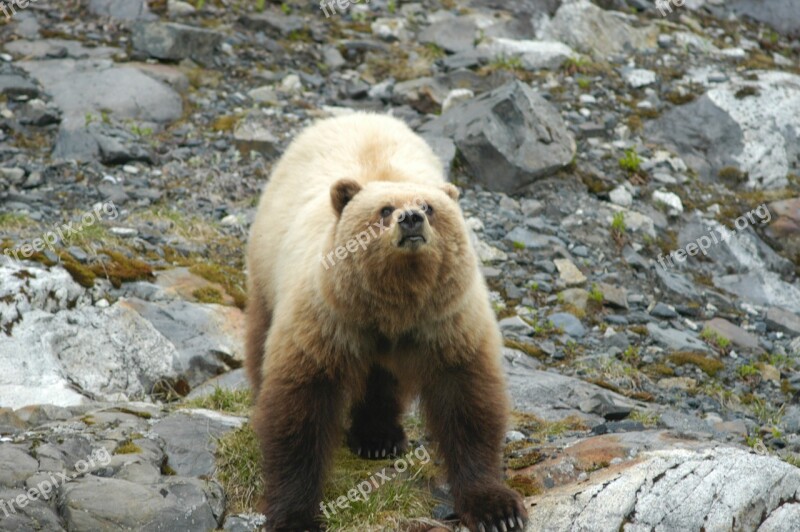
(738, 336)
(677, 489)
(190, 439)
(783, 321)
(94, 503)
(676, 340)
(552, 396)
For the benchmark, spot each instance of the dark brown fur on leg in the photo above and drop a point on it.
(258, 318)
(466, 412)
(297, 421)
(376, 430)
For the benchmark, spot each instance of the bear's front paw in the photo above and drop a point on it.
(388, 444)
(493, 508)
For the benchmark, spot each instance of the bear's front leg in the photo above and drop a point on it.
(466, 410)
(297, 421)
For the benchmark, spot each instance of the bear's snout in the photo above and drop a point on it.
(412, 228)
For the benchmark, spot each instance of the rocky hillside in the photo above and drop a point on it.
(630, 172)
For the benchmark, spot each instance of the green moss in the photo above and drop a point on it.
(231, 279)
(80, 273)
(121, 269)
(678, 98)
(518, 245)
(648, 419)
(208, 294)
(526, 460)
(744, 92)
(710, 366)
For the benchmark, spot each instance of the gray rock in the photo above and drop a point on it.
(121, 9)
(206, 338)
(253, 135)
(738, 336)
(14, 86)
(452, 35)
(549, 395)
(15, 466)
(607, 406)
(107, 353)
(445, 150)
(780, 14)
(190, 439)
(533, 55)
(509, 137)
(97, 87)
(94, 503)
(663, 311)
(527, 238)
(35, 515)
(712, 489)
(584, 26)
(754, 134)
(244, 523)
(568, 323)
(174, 42)
(516, 325)
(676, 340)
(784, 321)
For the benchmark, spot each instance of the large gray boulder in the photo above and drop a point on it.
(588, 28)
(753, 126)
(721, 488)
(174, 42)
(509, 137)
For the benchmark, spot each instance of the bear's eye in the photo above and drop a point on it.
(427, 209)
(387, 211)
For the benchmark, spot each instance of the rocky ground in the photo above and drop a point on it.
(590, 141)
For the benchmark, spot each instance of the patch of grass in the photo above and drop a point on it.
(208, 294)
(237, 402)
(121, 269)
(678, 98)
(518, 245)
(231, 279)
(391, 504)
(648, 419)
(630, 162)
(540, 429)
(526, 486)
(715, 339)
(595, 294)
(710, 366)
(744, 92)
(618, 228)
(747, 370)
(239, 469)
(127, 447)
(13, 221)
(225, 123)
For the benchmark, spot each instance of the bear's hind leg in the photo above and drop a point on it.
(376, 430)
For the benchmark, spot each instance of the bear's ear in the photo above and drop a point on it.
(451, 191)
(342, 192)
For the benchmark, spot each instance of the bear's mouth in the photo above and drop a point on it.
(412, 241)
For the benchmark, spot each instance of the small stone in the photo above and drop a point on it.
(455, 97)
(621, 196)
(616, 296)
(670, 200)
(569, 273)
(568, 323)
(737, 336)
(771, 373)
(663, 311)
(252, 135)
(514, 436)
(516, 325)
(639, 77)
(264, 94)
(680, 383)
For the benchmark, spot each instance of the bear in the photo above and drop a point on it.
(364, 292)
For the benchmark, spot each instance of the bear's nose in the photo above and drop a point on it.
(411, 222)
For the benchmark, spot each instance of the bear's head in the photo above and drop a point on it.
(398, 244)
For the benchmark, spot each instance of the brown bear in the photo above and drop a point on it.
(364, 292)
